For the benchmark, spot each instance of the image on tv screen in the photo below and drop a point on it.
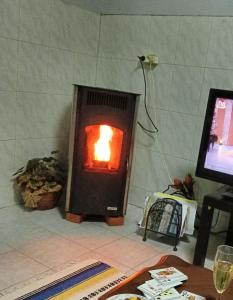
(219, 155)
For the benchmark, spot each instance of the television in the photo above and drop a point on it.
(215, 160)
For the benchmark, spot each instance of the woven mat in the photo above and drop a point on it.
(85, 280)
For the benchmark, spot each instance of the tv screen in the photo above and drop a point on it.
(215, 160)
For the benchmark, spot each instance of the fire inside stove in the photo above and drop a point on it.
(103, 148)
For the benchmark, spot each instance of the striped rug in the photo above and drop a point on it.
(83, 281)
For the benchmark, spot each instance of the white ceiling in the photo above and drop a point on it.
(158, 7)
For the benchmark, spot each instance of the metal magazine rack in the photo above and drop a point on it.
(165, 217)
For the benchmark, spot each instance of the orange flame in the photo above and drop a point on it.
(102, 147)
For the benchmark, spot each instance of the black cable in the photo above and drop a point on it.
(168, 187)
(145, 129)
(141, 59)
(179, 193)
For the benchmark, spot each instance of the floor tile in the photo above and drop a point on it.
(148, 263)
(24, 283)
(53, 251)
(87, 234)
(132, 217)
(16, 267)
(4, 247)
(36, 243)
(128, 251)
(93, 238)
(20, 235)
(153, 239)
(94, 255)
(11, 214)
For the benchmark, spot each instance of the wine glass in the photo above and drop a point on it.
(223, 269)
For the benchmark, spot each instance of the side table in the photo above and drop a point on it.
(211, 202)
(200, 280)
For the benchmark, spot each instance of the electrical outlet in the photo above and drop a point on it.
(151, 60)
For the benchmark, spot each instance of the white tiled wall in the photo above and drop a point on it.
(45, 47)
(194, 53)
(124, 37)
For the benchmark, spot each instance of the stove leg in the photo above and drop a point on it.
(75, 218)
(114, 221)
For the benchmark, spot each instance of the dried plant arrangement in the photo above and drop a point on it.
(41, 180)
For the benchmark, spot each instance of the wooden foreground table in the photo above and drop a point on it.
(200, 280)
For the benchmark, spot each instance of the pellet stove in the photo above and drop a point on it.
(100, 153)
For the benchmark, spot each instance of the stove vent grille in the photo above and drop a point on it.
(113, 100)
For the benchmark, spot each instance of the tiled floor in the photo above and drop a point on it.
(38, 243)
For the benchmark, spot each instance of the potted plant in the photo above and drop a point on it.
(41, 182)
(184, 187)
